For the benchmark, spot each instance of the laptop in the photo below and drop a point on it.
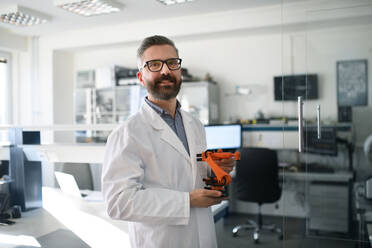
(69, 186)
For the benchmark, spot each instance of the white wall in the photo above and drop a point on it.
(63, 75)
(236, 47)
(23, 86)
(11, 41)
(245, 59)
(251, 58)
(327, 47)
(19, 48)
(234, 60)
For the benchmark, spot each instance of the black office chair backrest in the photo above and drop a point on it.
(257, 178)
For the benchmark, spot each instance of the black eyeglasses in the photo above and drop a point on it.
(157, 65)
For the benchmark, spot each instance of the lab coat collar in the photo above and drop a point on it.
(167, 134)
(159, 109)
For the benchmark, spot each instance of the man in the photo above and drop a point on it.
(150, 174)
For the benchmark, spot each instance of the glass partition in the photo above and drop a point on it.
(325, 183)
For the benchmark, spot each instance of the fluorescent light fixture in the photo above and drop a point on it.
(89, 7)
(171, 2)
(21, 16)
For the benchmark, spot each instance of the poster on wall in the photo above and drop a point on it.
(352, 83)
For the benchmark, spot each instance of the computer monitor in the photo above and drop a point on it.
(31, 137)
(227, 137)
(326, 145)
(290, 87)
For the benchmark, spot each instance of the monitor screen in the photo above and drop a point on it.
(326, 145)
(224, 136)
(31, 137)
(290, 87)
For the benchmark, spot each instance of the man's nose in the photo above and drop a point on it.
(165, 70)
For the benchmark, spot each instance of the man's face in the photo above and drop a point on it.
(164, 84)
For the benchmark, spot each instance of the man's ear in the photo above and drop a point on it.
(140, 79)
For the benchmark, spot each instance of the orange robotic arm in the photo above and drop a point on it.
(221, 177)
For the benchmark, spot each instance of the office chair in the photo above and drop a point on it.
(257, 180)
(81, 172)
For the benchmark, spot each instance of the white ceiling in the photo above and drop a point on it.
(133, 11)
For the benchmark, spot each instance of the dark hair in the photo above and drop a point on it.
(153, 41)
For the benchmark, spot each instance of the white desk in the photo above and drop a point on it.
(87, 220)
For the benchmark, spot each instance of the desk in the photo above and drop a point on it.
(87, 220)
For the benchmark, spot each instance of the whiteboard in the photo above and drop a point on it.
(352, 83)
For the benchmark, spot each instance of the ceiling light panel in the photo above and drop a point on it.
(21, 16)
(171, 2)
(89, 7)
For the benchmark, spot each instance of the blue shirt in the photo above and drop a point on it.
(175, 124)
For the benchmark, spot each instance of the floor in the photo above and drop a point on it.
(294, 235)
(53, 240)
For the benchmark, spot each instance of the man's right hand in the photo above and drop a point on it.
(203, 198)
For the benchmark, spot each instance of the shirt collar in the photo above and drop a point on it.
(158, 109)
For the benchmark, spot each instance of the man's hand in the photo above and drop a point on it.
(203, 198)
(227, 164)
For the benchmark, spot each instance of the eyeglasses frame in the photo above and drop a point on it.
(163, 62)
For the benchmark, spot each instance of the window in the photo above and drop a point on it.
(5, 92)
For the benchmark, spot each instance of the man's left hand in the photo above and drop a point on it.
(227, 164)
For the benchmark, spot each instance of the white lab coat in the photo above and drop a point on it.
(146, 179)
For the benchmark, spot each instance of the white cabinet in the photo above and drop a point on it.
(201, 99)
(105, 106)
(94, 104)
(128, 100)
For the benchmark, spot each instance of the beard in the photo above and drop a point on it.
(164, 92)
